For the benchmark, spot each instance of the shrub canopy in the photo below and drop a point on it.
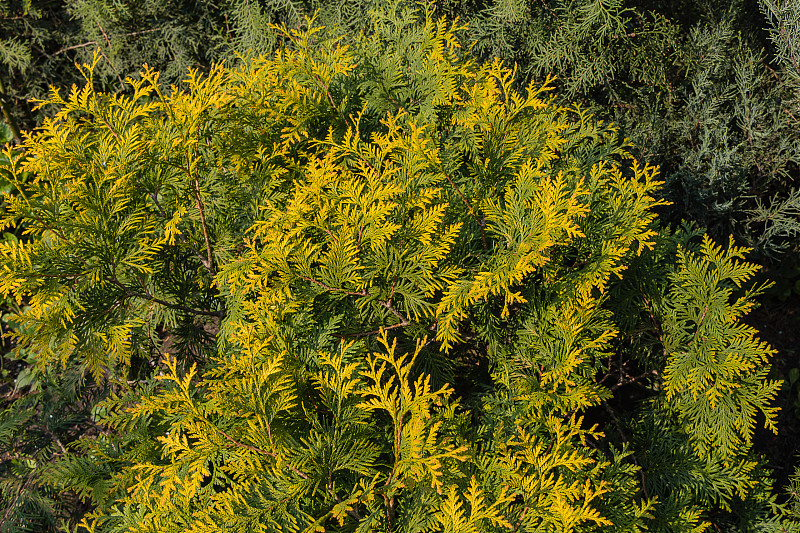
(374, 287)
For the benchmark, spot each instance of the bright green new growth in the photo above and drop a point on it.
(367, 288)
(716, 372)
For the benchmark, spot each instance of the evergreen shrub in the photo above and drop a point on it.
(370, 287)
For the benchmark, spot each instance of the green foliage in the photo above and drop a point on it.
(369, 285)
(109, 276)
(35, 430)
(716, 372)
(794, 495)
(42, 40)
(691, 84)
(784, 30)
(688, 82)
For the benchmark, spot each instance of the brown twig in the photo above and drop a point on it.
(208, 262)
(482, 224)
(94, 43)
(544, 3)
(330, 99)
(363, 292)
(73, 47)
(403, 319)
(179, 307)
(255, 449)
(136, 33)
(147, 295)
(209, 254)
(389, 511)
(521, 517)
(782, 28)
(108, 41)
(352, 511)
(41, 51)
(52, 435)
(181, 236)
(105, 35)
(632, 379)
(368, 333)
(699, 323)
(245, 446)
(28, 480)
